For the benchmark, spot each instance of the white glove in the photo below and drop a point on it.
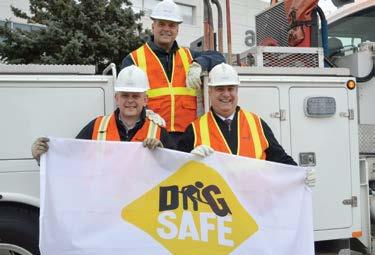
(193, 78)
(152, 143)
(39, 147)
(154, 117)
(310, 177)
(202, 150)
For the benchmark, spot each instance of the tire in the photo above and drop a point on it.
(19, 228)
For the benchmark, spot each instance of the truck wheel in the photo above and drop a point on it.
(19, 230)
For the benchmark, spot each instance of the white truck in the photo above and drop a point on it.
(315, 113)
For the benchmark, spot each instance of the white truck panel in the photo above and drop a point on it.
(53, 107)
(328, 138)
(40, 105)
(262, 101)
(333, 139)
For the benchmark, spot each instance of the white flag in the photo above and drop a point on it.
(121, 198)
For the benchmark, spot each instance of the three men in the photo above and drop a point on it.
(173, 71)
(128, 122)
(174, 75)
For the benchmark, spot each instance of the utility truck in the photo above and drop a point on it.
(323, 117)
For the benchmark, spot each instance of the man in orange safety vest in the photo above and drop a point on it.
(231, 129)
(174, 72)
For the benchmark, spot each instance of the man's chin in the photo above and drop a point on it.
(226, 107)
(130, 114)
(224, 111)
(167, 41)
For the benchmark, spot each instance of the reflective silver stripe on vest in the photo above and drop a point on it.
(102, 131)
(152, 130)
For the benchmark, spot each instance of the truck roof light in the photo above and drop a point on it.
(357, 233)
(350, 84)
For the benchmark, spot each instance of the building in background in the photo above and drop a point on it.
(242, 15)
(242, 19)
(6, 14)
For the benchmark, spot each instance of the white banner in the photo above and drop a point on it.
(121, 198)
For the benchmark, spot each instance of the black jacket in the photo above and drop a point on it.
(86, 132)
(274, 152)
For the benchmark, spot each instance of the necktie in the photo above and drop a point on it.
(228, 121)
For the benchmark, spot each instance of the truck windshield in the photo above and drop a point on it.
(348, 32)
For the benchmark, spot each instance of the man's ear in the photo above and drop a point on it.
(116, 97)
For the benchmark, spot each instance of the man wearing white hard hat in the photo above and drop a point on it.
(127, 123)
(173, 71)
(230, 129)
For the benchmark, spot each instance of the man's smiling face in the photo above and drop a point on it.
(224, 99)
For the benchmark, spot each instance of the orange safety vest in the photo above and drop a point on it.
(172, 100)
(105, 128)
(251, 142)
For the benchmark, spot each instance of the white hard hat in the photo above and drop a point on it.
(223, 75)
(132, 79)
(167, 10)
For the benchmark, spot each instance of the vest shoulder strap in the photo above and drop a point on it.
(141, 58)
(148, 130)
(204, 130)
(185, 58)
(103, 127)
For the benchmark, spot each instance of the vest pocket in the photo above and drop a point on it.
(154, 105)
(189, 103)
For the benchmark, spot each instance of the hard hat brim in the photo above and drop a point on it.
(179, 21)
(129, 89)
(222, 84)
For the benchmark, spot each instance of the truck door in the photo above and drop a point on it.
(263, 101)
(328, 138)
